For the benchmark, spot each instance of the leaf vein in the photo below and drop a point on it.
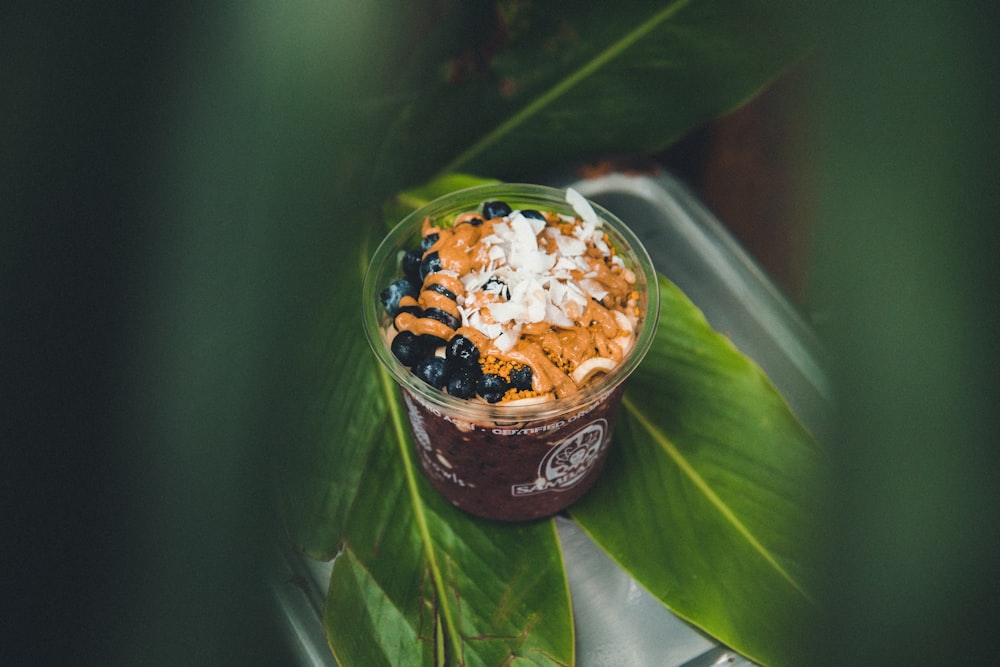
(564, 86)
(418, 511)
(699, 482)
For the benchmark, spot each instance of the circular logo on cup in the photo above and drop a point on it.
(568, 462)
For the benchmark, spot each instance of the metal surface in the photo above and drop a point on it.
(617, 622)
(690, 246)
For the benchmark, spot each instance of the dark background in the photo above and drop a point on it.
(864, 182)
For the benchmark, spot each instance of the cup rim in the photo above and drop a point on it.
(390, 250)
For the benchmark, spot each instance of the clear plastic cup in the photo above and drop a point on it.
(506, 461)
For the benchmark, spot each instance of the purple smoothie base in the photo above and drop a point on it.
(514, 471)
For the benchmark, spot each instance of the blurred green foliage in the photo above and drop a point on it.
(906, 272)
(143, 343)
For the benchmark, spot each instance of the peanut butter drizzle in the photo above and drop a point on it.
(545, 375)
(431, 299)
(535, 328)
(423, 325)
(615, 283)
(607, 348)
(577, 344)
(455, 244)
(602, 317)
(477, 337)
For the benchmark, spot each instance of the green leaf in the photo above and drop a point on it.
(566, 86)
(707, 501)
(416, 581)
(710, 497)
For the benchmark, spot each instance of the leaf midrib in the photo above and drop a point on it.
(713, 498)
(400, 429)
(562, 87)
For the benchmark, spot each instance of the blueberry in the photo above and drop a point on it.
(444, 317)
(461, 352)
(430, 264)
(428, 241)
(490, 383)
(461, 385)
(520, 378)
(441, 289)
(495, 209)
(410, 348)
(396, 290)
(411, 265)
(432, 371)
(496, 286)
(475, 222)
(494, 397)
(432, 342)
(532, 213)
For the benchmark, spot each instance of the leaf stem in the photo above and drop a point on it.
(712, 497)
(400, 429)
(562, 87)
